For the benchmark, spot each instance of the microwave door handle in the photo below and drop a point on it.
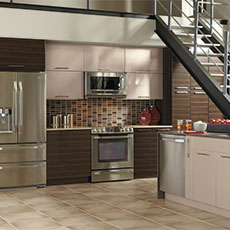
(15, 105)
(20, 104)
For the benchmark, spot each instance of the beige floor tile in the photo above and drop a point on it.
(220, 221)
(202, 215)
(94, 226)
(36, 224)
(134, 205)
(6, 227)
(76, 220)
(152, 211)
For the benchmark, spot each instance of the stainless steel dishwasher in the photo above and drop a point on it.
(172, 164)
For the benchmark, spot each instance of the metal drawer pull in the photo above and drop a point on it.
(199, 93)
(109, 138)
(60, 67)
(143, 96)
(197, 88)
(203, 154)
(62, 96)
(188, 153)
(15, 66)
(181, 92)
(227, 157)
(6, 132)
(179, 140)
(181, 87)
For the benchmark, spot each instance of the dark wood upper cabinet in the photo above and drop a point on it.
(22, 54)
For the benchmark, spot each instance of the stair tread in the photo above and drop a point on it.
(211, 55)
(192, 35)
(202, 45)
(212, 64)
(186, 26)
(218, 74)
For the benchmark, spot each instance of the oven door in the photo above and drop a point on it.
(112, 151)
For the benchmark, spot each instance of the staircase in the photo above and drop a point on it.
(200, 46)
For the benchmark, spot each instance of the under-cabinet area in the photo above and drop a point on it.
(203, 163)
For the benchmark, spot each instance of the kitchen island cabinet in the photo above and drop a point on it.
(68, 156)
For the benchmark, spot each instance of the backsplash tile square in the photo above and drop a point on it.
(98, 111)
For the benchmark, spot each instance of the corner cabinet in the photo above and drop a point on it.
(208, 171)
(104, 59)
(64, 85)
(68, 156)
(144, 86)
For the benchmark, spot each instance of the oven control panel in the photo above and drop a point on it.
(111, 130)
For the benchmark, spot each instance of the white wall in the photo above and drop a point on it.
(18, 23)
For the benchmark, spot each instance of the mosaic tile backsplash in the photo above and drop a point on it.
(98, 112)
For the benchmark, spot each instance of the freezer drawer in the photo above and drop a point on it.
(22, 174)
(22, 153)
(172, 164)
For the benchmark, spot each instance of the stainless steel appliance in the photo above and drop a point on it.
(101, 84)
(22, 129)
(172, 164)
(112, 154)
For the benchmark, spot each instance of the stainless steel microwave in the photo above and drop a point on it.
(102, 84)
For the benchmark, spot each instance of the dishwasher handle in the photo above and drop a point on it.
(173, 140)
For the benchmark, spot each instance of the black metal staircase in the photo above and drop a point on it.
(195, 41)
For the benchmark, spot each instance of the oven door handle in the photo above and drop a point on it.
(110, 138)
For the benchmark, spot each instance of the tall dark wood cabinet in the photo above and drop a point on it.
(145, 153)
(22, 54)
(68, 156)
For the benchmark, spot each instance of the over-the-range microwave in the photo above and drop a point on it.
(105, 84)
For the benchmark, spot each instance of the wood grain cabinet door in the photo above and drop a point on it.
(64, 85)
(144, 86)
(104, 59)
(149, 60)
(64, 56)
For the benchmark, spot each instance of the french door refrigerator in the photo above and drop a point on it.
(22, 129)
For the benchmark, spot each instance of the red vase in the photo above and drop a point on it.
(155, 115)
(145, 117)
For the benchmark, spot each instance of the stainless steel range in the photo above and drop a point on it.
(112, 154)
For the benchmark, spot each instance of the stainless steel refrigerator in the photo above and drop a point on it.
(22, 129)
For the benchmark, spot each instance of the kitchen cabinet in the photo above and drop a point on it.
(223, 181)
(68, 156)
(144, 86)
(22, 55)
(59, 3)
(139, 60)
(145, 153)
(104, 59)
(64, 85)
(64, 56)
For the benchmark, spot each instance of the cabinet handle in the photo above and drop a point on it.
(16, 66)
(143, 70)
(104, 69)
(199, 93)
(197, 88)
(203, 154)
(188, 153)
(181, 92)
(226, 157)
(62, 96)
(181, 87)
(60, 67)
(144, 97)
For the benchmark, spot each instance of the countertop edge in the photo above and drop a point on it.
(68, 129)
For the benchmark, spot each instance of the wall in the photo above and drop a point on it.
(82, 28)
(98, 112)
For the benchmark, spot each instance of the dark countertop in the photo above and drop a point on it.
(208, 134)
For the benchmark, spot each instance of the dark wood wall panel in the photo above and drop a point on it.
(22, 54)
(145, 153)
(68, 156)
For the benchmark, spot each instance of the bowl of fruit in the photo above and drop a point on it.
(200, 126)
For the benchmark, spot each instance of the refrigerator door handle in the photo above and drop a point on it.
(15, 105)
(20, 104)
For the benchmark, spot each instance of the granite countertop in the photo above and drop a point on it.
(208, 134)
(134, 126)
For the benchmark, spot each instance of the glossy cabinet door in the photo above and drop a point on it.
(61, 3)
(64, 56)
(223, 181)
(144, 86)
(204, 177)
(141, 60)
(104, 59)
(64, 85)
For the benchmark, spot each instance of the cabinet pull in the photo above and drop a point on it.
(181, 92)
(61, 96)
(144, 97)
(16, 66)
(197, 88)
(226, 157)
(181, 87)
(60, 67)
(188, 153)
(100, 69)
(203, 154)
(199, 93)
(143, 70)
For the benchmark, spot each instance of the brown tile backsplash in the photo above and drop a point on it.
(98, 112)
